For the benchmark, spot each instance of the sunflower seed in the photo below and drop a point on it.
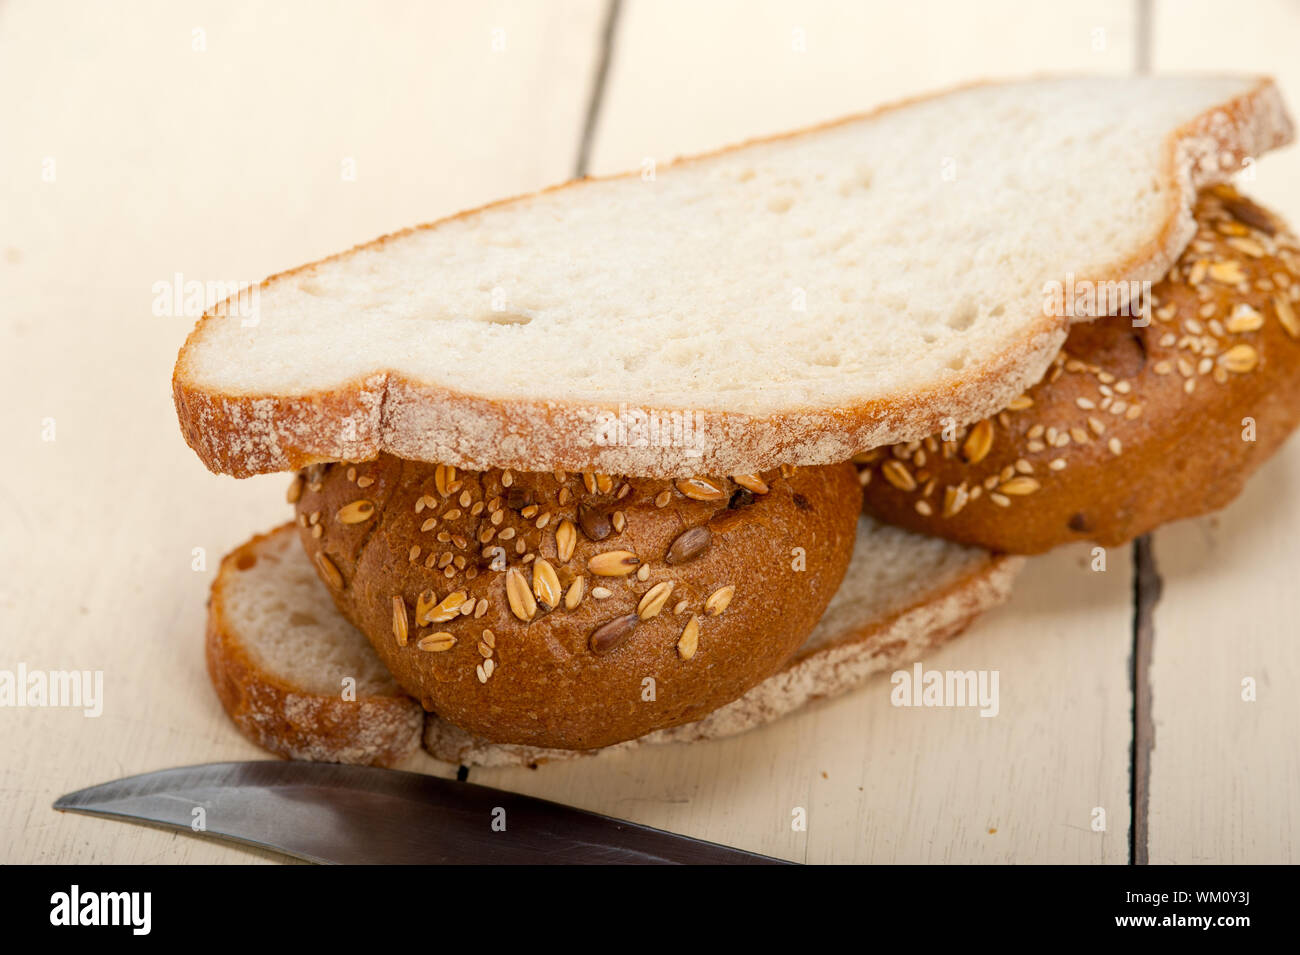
(654, 600)
(355, 513)
(600, 593)
(1019, 486)
(702, 489)
(689, 641)
(574, 595)
(520, 598)
(688, 545)
(610, 636)
(954, 499)
(1239, 359)
(719, 600)
(329, 571)
(566, 538)
(897, 474)
(594, 522)
(443, 476)
(1287, 316)
(1228, 272)
(448, 609)
(751, 482)
(295, 490)
(1244, 319)
(662, 498)
(546, 585)
(436, 642)
(978, 443)
(613, 563)
(400, 630)
(1021, 403)
(489, 638)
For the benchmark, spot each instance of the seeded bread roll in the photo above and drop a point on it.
(279, 659)
(1132, 426)
(577, 610)
(903, 596)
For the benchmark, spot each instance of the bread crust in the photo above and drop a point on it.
(517, 673)
(847, 651)
(243, 434)
(1135, 447)
(272, 711)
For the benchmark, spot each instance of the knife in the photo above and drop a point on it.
(324, 812)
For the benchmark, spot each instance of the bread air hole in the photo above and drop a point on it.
(963, 318)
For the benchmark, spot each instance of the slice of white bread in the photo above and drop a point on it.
(903, 595)
(793, 300)
(278, 650)
(283, 661)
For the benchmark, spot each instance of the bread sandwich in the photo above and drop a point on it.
(587, 468)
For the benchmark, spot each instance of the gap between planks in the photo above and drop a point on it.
(1146, 590)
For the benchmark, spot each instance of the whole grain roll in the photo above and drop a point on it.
(1132, 426)
(577, 610)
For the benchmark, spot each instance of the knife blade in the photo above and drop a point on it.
(324, 812)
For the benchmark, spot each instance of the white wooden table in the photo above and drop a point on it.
(225, 141)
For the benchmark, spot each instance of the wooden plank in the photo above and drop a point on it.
(1225, 772)
(881, 784)
(689, 77)
(223, 164)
